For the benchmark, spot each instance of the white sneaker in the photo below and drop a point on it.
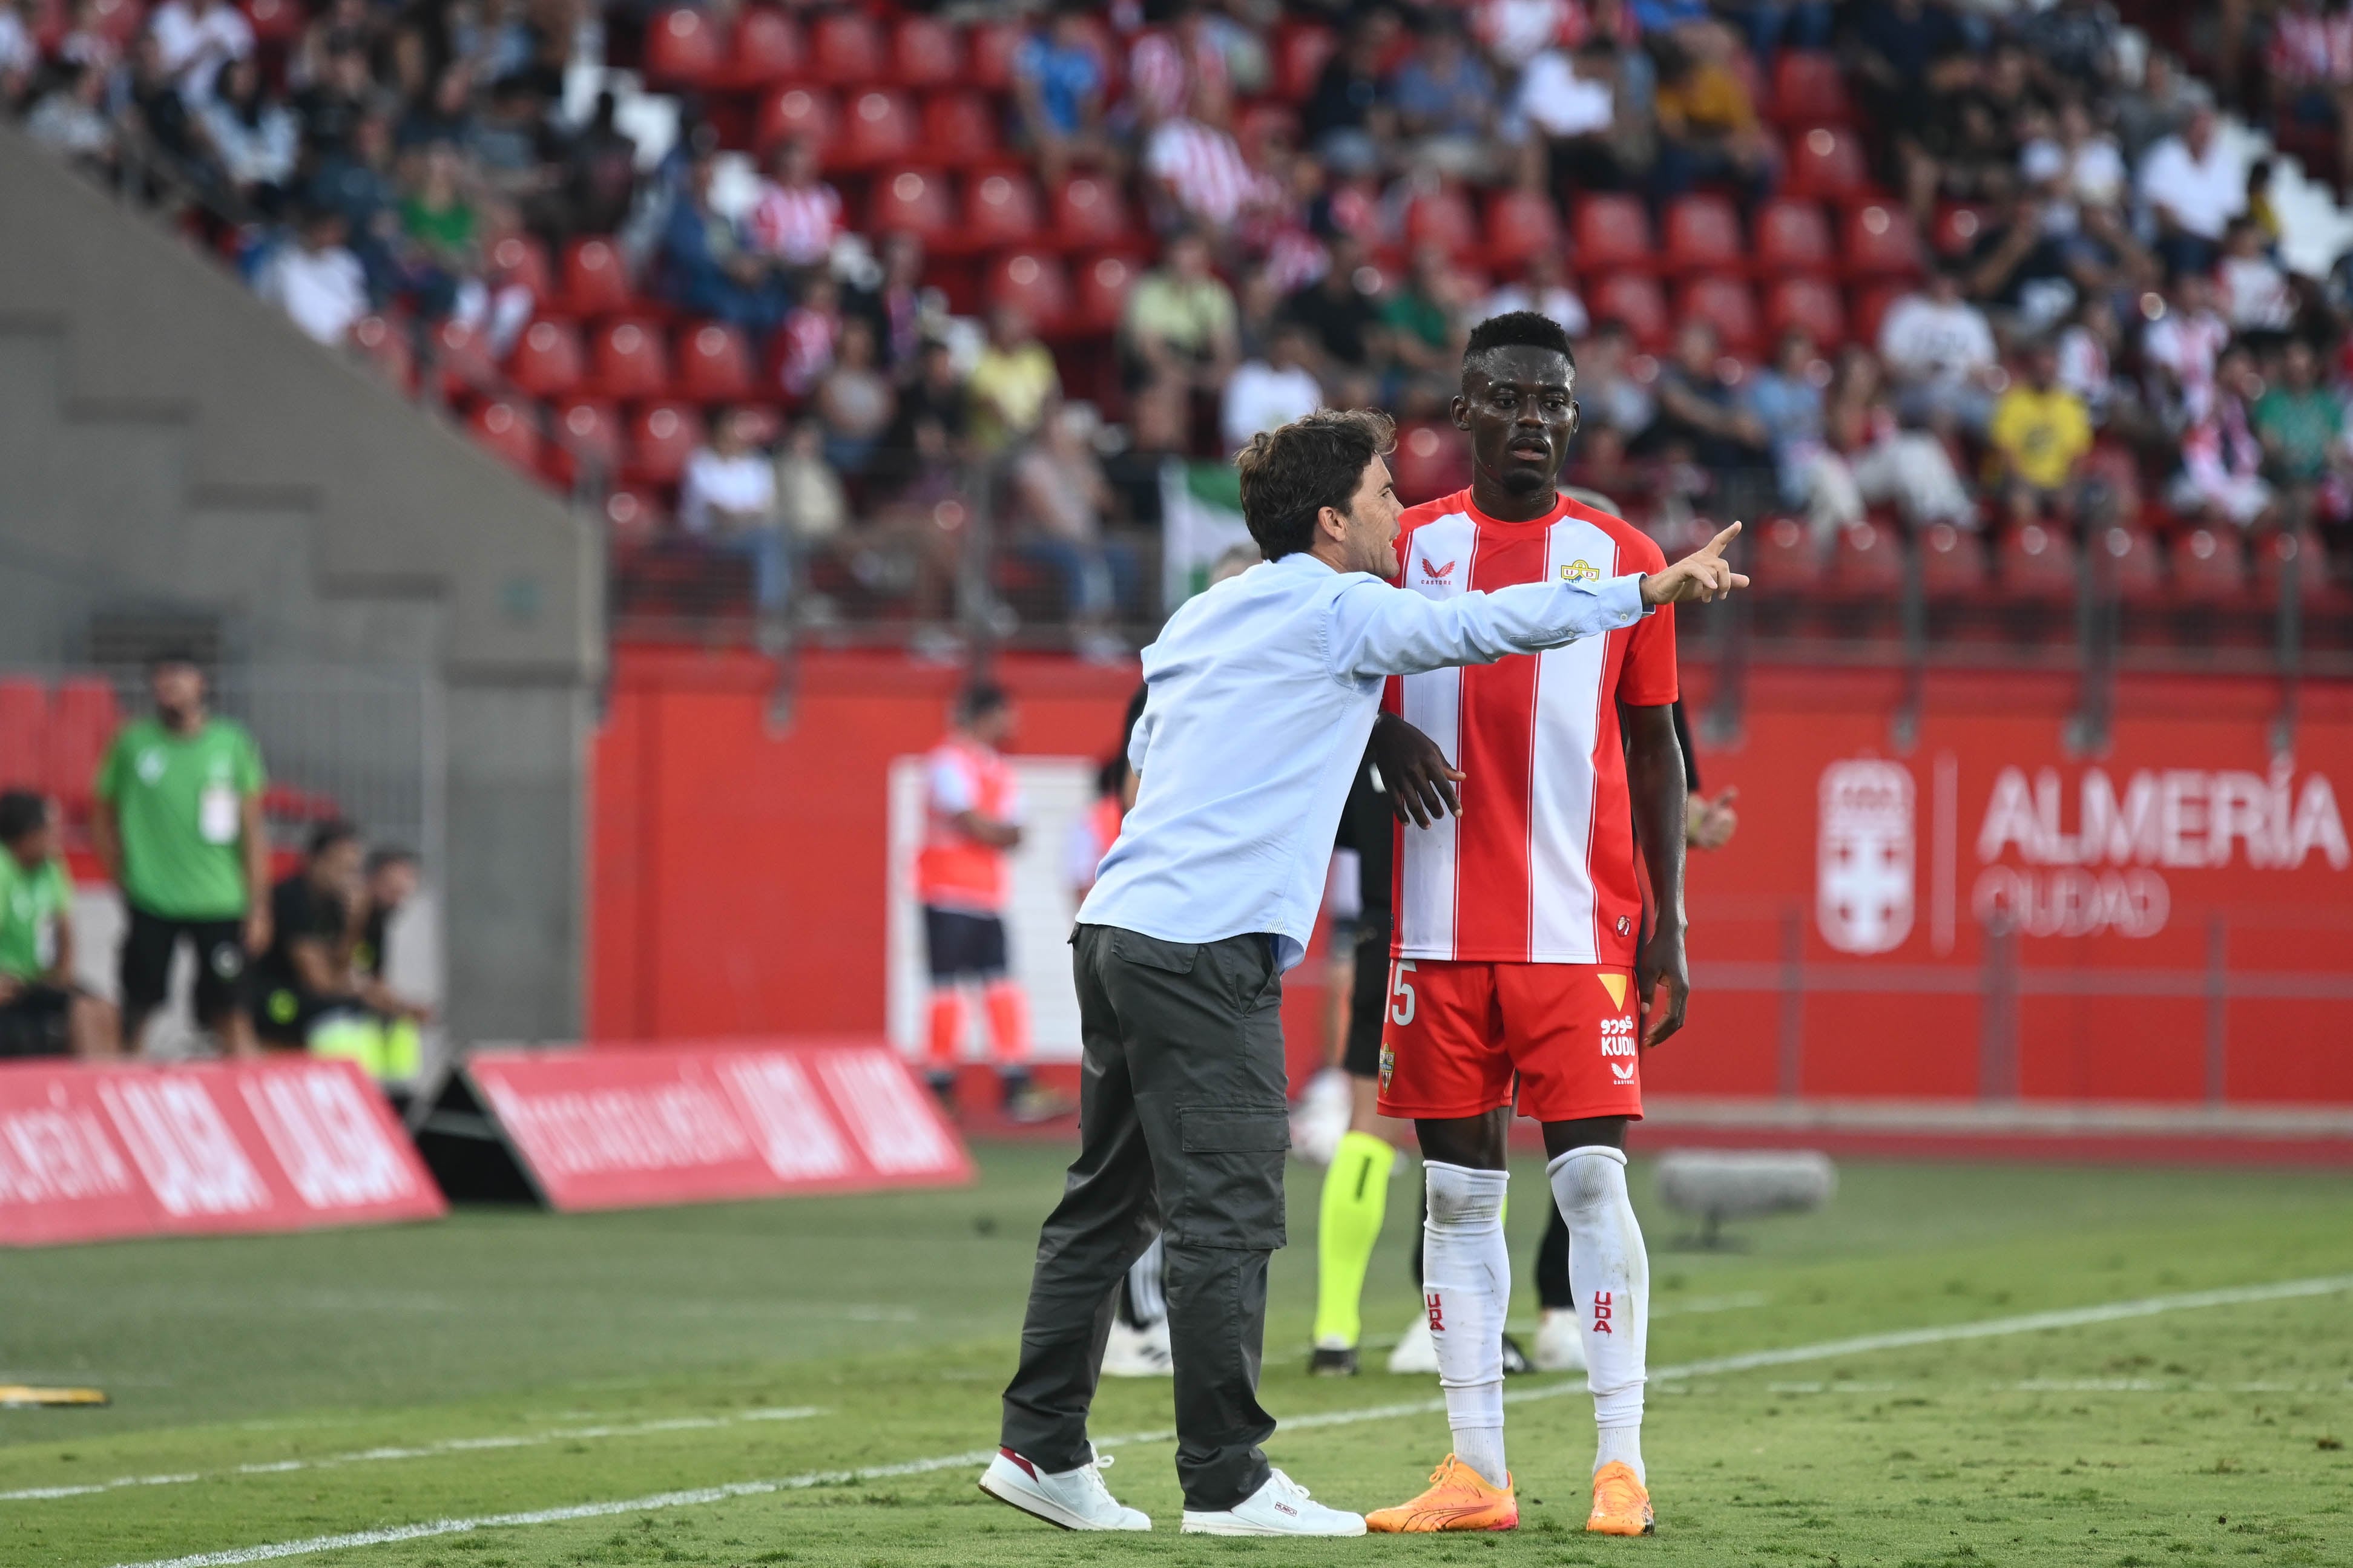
(1132, 1351)
(1416, 1352)
(1281, 1507)
(1075, 1499)
(1561, 1341)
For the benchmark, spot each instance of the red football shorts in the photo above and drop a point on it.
(1459, 1033)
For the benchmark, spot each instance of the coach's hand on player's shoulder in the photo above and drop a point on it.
(1418, 779)
(1661, 963)
(1703, 575)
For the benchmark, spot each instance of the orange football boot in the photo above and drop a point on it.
(1622, 1506)
(1458, 1498)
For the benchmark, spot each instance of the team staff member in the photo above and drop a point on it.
(42, 1011)
(308, 973)
(178, 829)
(1263, 693)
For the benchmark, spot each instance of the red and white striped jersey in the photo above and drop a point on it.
(796, 223)
(1539, 868)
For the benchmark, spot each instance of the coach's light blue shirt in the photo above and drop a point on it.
(1263, 693)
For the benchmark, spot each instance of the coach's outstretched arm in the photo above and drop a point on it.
(1379, 630)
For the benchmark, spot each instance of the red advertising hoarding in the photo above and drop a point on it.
(700, 1123)
(91, 1152)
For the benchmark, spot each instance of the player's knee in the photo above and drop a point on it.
(1587, 1177)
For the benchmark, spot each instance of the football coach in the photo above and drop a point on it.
(1263, 693)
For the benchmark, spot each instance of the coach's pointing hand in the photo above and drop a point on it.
(1703, 575)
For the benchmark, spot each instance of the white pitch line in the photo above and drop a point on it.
(1862, 1344)
(420, 1451)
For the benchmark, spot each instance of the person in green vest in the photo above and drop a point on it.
(178, 829)
(42, 1011)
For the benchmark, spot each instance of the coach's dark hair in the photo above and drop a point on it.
(21, 812)
(330, 833)
(979, 699)
(1519, 329)
(1290, 473)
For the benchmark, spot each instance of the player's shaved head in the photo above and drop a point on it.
(1517, 330)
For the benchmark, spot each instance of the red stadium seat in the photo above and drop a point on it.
(2274, 552)
(713, 363)
(2131, 562)
(521, 261)
(1809, 304)
(767, 50)
(1784, 557)
(1793, 237)
(582, 429)
(661, 437)
(1521, 224)
(1034, 284)
(1430, 461)
(24, 733)
(2208, 565)
(1442, 219)
(462, 358)
(83, 718)
(509, 429)
(911, 201)
(1872, 310)
(1870, 558)
(1703, 235)
(1725, 303)
(1808, 89)
(926, 52)
(628, 361)
(960, 130)
(1089, 213)
(1825, 161)
(2037, 563)
(1102, 285)
(795, 111)
(275, 21)
(1635, 299)
(386, 345)
(878, 127)
(1956, 228)
(989, 49)
(846, 48)
(594, 282)
(1880, 242)
(1952, 562)
(1262, 125)
(683, 48)
(631, 513)
(547, 360)
(1000, 209)
(1612, 231)
(118, 21)
(1300, 52)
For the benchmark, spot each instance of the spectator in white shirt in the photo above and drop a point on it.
(1543, 287)
(2194, 185)
(1571, 102)
(316, 282)
(1939, 352)
(254, 136)
(2256, 298)
(196, 38)
(1264, 393)
(727, 498)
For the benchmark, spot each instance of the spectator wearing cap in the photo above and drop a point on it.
(1181, 327)
(2193, 185)
(2037, 439)
(1940, 356)
(727, 498)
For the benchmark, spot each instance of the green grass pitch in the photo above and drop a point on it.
(282, 1390)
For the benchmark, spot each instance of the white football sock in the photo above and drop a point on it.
(1466, 1288)
(1610, 1271)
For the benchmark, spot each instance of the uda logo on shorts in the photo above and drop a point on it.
(1388, 1067)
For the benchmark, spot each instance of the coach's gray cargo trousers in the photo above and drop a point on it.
(1182, 1126)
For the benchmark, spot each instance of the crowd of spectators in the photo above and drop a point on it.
(2100, 329)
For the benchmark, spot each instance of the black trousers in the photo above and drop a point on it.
(1183, 1128)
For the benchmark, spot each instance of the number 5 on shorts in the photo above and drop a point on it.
(1401, 993)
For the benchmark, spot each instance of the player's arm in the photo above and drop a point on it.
(106, 839)
(61, 973)
(256, 845)
(313, 958)
(1654, 779)
(987, 829)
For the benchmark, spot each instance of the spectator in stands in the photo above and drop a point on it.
(1426, 328)
(1607, 395)
(2255, 296)
(2088, 347)
(88, 42)
(43, 1012)
(1179, 328)
(1013, 382)
(444, 114)
(158, 117)
(1786, 400)
(1344, 319)
(1061, 499)
(1158, 434)
(810, 335)
(727, 498)
(797, 215)
(254, 137)
(2194, 185)
(2222, 477)
(1909, 469)
(708, 270)
(811, 505)
(332, 105)
(1892, 51)
(1704, 420)
(389, 885)
(1446, 100)
(355, 182)
(933, 418)
(1348, 119)
(895, 305)
(600, 173)
(1772, 25)
(69, 118)
(1058, 93)
(2310, 61)
(1195, 171)
(1570, 102)
(316, 280)
(854, 400)
(1264, 393)
(2162, 103)
(515, 155)
(1708, 128)
(177, 827)
(1939, 353)
(2180, 350)
(2038, 439)
(2074, 45)
(18, 55)
(195, 39)
(2301, 425)
(315, 915)
(1544, 287)
(2027, 271)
